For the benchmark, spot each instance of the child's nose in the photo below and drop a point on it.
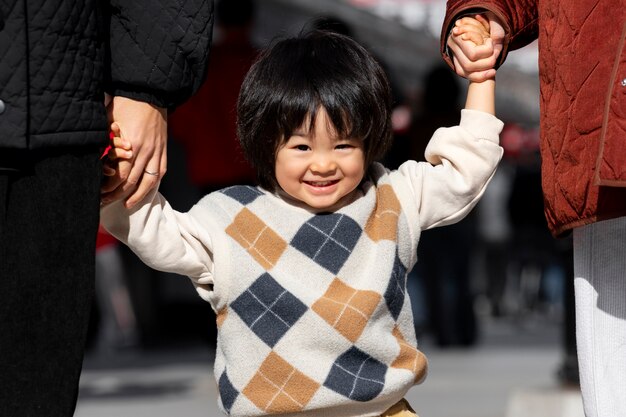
(323, 163)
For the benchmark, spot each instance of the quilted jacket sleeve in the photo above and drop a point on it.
(519, 17)
(158, 49)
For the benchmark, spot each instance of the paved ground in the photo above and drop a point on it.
(511, 373)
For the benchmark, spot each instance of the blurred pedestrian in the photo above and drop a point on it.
(582, 69)
(206, 124)
(494, 230)
(307, 272)
(57, 59)
(446, 279)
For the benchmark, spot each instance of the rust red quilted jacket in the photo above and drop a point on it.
(582, 69)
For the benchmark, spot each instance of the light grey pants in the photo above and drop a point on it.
(600, 283)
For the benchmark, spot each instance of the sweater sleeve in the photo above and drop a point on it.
(520, 18)
(461, 161)
(158, 50)
(164, 239)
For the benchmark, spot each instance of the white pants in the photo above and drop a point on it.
(600, 283)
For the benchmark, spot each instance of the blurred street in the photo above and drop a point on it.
(514, 276)
(510, 373)
(492, 295)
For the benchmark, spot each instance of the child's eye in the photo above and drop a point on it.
(302, 147)
(344, 146)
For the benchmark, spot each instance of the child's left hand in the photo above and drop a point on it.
(470, 39)
(475, 29)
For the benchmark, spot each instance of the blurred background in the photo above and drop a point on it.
(492, 296)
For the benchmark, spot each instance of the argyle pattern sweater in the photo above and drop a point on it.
(312, 311)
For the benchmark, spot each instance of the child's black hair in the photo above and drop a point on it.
(295, 76)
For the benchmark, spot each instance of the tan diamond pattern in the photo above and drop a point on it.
(220, 317)
(346, 309)
(382, 224)
(257, 238)
(278, 387)
(410, 357)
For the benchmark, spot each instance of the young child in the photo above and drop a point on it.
(307, 271)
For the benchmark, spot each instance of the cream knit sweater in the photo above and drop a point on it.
(312, 312)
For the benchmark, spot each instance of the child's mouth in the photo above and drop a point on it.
(321, 183)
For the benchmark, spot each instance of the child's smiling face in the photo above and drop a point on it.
(318, 168)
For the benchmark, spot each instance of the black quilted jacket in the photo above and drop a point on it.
(58, 57)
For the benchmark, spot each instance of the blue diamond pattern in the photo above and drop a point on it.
(357, 375)
(268, 309)
(245, 194)
(228, 393)
(396, 291)
(328, 239)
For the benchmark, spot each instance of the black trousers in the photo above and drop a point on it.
(49, 213)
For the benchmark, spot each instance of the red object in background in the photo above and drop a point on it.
(104, 239)
(519, 142)
(206, 124)
(364, 3)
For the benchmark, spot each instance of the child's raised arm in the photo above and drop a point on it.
(474, 32)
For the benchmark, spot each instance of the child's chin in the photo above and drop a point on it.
(329, 204)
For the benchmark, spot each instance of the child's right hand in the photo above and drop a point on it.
(120, 150)
(471, 39)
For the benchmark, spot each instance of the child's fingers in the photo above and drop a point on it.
(467, 33)
(119, 153)
(470, 27)
(115, 128)
(475, 37)
(483, 21)
(121, 143)
(476, 43)
(471, 22)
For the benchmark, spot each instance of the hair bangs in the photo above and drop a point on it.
(295, 108)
